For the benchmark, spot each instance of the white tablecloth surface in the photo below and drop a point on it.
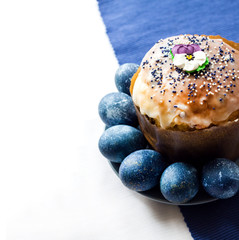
(56, 65)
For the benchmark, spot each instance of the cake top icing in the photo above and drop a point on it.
(188, 80)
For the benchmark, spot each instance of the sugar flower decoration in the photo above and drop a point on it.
(190, 57)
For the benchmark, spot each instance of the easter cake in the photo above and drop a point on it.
(186, 95)
(172, 129)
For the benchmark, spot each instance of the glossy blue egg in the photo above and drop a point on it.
(141, 170)
(117, 108)
(220, 178)
(123, 76)
(179, 182)
(119, 141)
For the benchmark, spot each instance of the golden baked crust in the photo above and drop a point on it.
(172, 99)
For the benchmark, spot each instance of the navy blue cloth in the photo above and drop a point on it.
(213, 221)
(133, 27)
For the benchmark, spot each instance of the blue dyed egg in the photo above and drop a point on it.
(123, 76)
(220, 178)
(117, 108)
(119, 141)
(141, 170)
(179, 182)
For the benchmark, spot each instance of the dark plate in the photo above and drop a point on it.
(155, 194)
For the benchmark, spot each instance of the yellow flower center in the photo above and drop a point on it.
(189, 57)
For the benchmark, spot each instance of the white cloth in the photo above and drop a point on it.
(56, 65)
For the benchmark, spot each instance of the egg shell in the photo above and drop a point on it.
(141, 170)
(220, 178)
(117, 108)
(123, 76)
(179, 182)
(119, 141)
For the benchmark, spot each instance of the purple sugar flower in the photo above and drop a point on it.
(188, 49)
(189, 57)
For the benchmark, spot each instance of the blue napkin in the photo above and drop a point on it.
(133, 27)
(213, 221)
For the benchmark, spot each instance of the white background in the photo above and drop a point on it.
(56, 63)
